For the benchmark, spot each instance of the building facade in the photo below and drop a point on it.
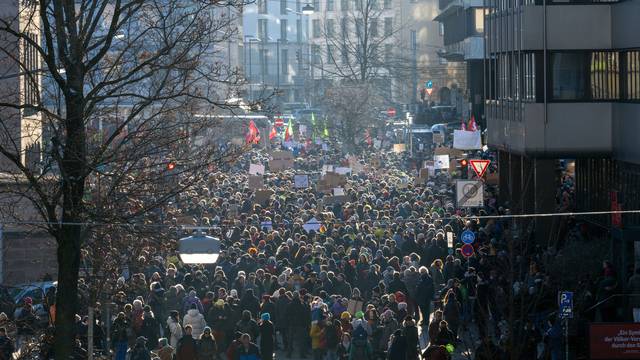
(563, 82)
(275, 45)
(463, 26)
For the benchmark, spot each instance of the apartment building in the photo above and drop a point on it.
(563, 82)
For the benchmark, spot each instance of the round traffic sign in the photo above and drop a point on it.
(468, 237)
(467, 250)
(391, 112)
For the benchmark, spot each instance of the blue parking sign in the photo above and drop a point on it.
(565, 302)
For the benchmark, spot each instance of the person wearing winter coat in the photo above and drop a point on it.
(247, 325)
(207, 346)
(445, 335)
(424, 295)
(150, 328)
(397, 346)
(187, 346)
(247, 350)
(120, 336)
(175, 329)
(389, 327)
(137, 317)
(139, 350)
(196, 320)
(189, 301)
(434, 326)
(452, 310)
(165, 351)
(410, 332)
(174, 298)
(267, 336)
(317, 339)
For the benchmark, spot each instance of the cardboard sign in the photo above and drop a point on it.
(377, 143)
(255, 182)
(237, 141)
(441, 161)
(343, 170)
(256, 169)
(338, 191)
(326, 169)
(438, 138)
(281, 160)
(262, 197)
(301, 181)
(398, 148)
(455, 153)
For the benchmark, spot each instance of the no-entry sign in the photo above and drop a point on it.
(467, 250)
(391, 112)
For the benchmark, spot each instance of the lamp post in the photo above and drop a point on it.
(308, 9)
(249, 39)
(199, 248)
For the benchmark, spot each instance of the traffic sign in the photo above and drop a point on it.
(479, 166)
(391, 112)
(468, 237)
(565, 302)
(279, 122)
(429, 84)
(467, 250)
(470, 193)
(429, 91)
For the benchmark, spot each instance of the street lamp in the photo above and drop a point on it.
(308, 9)
(199, 248)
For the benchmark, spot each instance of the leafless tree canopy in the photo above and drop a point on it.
(122, 81)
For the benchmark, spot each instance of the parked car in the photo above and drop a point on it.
(37, 292)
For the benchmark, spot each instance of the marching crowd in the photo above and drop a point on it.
(381, 277)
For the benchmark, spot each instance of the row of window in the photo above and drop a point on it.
(30, 79)
(330, 5)
(573, 76)
(504, 5)
(329, 30)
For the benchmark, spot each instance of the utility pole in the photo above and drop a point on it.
(414, 50)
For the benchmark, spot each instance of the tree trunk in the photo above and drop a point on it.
(67, 292)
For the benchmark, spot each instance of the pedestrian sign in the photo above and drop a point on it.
(565, 300)
(429, 84)
(479, 166)
(468, 237)
(467, 250)
(470, 193)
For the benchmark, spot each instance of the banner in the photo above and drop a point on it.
(256, 169)
(466, 140)
(301, 181)
(612, 341)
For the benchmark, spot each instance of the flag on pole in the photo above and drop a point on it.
(463, 126)
(325, 132)
(472, 124)
(288, 132)
(253, 136)
(273, 133)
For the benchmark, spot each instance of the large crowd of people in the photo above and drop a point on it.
(382, 276)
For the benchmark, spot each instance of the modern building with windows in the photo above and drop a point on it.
(275, 34)
(462, 23)
(563, 82)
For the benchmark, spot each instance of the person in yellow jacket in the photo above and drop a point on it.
(318, 341)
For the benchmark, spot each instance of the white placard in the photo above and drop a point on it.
(326, 169)
(466, 140)
(256, 169)
(440, 162)
(325, 147)
(338, 192)
(343, 170)
(312, 224)
(377, 143)
(301, 181)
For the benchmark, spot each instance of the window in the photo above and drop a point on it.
(387, 4)
(315, 54)
(479, 20)
(330, 5)
(262, 30)
(344, 26)
(283, 7)
(359, 4)
(388, 53)
(359, 26)
(374, 4)
(441, 29)
(316, 6)
(298, 6)
(605, 75)
(569, 80)
(330, 51)
(262, 6)
(373, 27)
(443, 61)
(30, 78)
(264, 62)
(344, 54)
(284, 61)
(283, 29)
(632, 75)
(316, 28)
(388, 26)
(331, 25)
(299, 30)
(529, 77)
(344, 5)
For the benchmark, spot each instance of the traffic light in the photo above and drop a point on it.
(298, 56)
(464, 168)
(171, 165)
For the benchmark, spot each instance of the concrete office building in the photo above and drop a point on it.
(274, 48)
(563, 82)
(463, 27)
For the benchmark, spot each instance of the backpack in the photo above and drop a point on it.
(359, 343)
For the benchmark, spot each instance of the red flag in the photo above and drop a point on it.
(367, 137)
(472, 124)
(463, 126)
(273, 133)
(253, 136)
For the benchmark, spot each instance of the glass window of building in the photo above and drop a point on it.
(283, 29)
(632, 75)
(388, 26)
(299, 30)
(373, 27)
(283, 7)
(330, 5)
(479, 20)
(331, 25)
(569, 77)
(387, 4)
(344, 5)
(284, 61)
(316, 28)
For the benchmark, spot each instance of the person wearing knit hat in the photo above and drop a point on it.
(267, 336)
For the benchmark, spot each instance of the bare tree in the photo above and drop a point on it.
(128, 77)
